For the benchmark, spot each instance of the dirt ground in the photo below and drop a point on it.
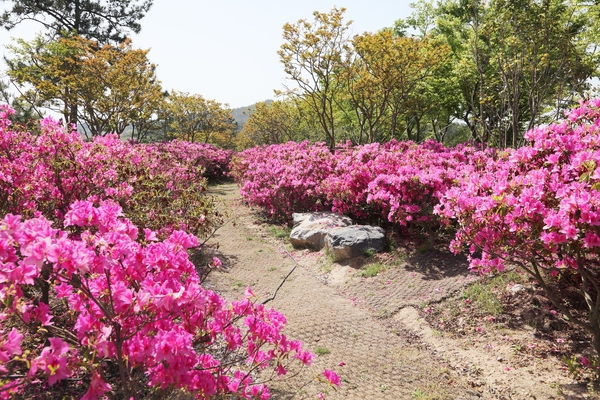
(407, 333)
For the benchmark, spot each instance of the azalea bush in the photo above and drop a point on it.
(398, 181)
(126, 313)
(283, 178)
(160, 187)
(214, 161)
(97, 293)
(538, 208)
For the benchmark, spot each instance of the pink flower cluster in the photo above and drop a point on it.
(539, 203)
(159, 186)
(400, 181)
(131, 303)
(283, 178)
(214, 161)
(538, 207)
(95, 280)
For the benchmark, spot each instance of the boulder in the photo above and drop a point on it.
(309, 229)
(353, 241)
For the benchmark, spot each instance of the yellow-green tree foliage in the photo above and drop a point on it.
(193, 118)
(364, 88)
(120, 88)
(270, 123)
(312, 55)
(107, 87)
(385, 76)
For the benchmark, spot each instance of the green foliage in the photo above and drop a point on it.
(280, 232)
(312, 55)
(582, 366)
(107, 87)
(420, 394)
(372, 270)
(452, 71)
(26, 114)
(94, 19)
(193, 118)
(271, 123)
(158, 202)
(483, 294)
(321, 351)
(515, 62)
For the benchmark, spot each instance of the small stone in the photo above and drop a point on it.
(310, 228)
(353, 241)
(517, 288)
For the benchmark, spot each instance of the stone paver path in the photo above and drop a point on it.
(379, 362)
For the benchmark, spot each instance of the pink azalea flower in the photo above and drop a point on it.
(332, 377)
(215, 263)
(97, 387)
(585, 362)
(53, 361)
(11, 346)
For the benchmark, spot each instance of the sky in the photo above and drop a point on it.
(226, 50)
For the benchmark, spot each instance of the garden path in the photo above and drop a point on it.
(379, 363)
(375, 326)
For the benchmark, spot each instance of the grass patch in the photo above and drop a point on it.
(480, 295)
(238, 284)
(419, 394)
(280, 232)
(328, 262)
(321, 351)
(483, 294)
(369, 253)
(372, 270)
(501, 280)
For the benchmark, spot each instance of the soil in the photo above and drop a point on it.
(410, 332)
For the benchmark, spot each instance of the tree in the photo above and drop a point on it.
(272, 123)
(50, 68)
(107, 87)
(25, 114)
(312, 56)
(387, 76)
(540, 60)
(520, 63)
(147, 123)
(102, 20)
(118, 86)
(193, 118)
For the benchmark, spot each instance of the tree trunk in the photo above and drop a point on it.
(74, 113)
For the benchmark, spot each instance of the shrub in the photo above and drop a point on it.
(156, 186)
(125, 304)
(538, 207)
(399, 181)
(283, 178)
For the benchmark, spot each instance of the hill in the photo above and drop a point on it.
(241, 114)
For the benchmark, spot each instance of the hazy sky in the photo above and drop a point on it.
(227, 49)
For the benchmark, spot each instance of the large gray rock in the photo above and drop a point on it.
(309, 229)
(353, 241)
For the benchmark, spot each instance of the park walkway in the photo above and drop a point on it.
(374, 360)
